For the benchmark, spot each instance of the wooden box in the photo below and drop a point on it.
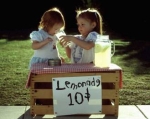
(41, 100)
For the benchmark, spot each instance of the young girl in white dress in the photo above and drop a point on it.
(81, 47)
(44, 40)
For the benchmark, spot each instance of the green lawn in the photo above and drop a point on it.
(130, 56)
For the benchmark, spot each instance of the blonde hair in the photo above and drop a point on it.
(93, 15)
(51, 17)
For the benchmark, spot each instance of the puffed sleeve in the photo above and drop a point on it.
(36, 36)
(92, 36)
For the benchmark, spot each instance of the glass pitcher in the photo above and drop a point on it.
(104, 50)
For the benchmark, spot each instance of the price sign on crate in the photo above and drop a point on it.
(77, 95)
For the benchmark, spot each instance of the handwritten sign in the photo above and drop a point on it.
(77, 95)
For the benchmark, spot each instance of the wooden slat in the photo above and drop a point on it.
(110, 94)
(48, 93)
(106, 77)
(42, 109)
(32, 85)
(117, 101)
(42, 78)
(117, 85)
(32, 102)
(42, 93)
(48, 109)
(108, 109)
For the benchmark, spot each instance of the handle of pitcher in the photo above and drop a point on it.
(112, 48)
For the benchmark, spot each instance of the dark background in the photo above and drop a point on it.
(122, 19)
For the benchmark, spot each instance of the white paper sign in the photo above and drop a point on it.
(77, 95)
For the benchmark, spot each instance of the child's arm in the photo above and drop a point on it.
(37, 45)
(68, 51)
(84, 44)
(62, 59)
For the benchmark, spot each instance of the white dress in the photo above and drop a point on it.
(80, 55)
(49, 51)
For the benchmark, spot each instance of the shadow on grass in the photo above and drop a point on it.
(136, 49)
(137, 55)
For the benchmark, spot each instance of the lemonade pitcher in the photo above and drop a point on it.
(104, 50)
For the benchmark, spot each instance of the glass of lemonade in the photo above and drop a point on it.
(61, 33)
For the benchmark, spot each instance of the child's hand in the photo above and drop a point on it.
(64, 40)
(62, 59)
(49, 40)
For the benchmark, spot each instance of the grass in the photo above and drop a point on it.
(131, 57)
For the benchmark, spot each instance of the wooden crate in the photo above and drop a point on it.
(41, 100)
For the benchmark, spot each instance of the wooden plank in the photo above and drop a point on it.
(42, 93)
(110, 94)
(117, 85)
(31, 99)
(48, 93)
(42, 78)
(32, 85)
(116, 107)
(117, 101)
(32, 102)
(108, 109)
(42, 109)
(48, 109)
(106, 77)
